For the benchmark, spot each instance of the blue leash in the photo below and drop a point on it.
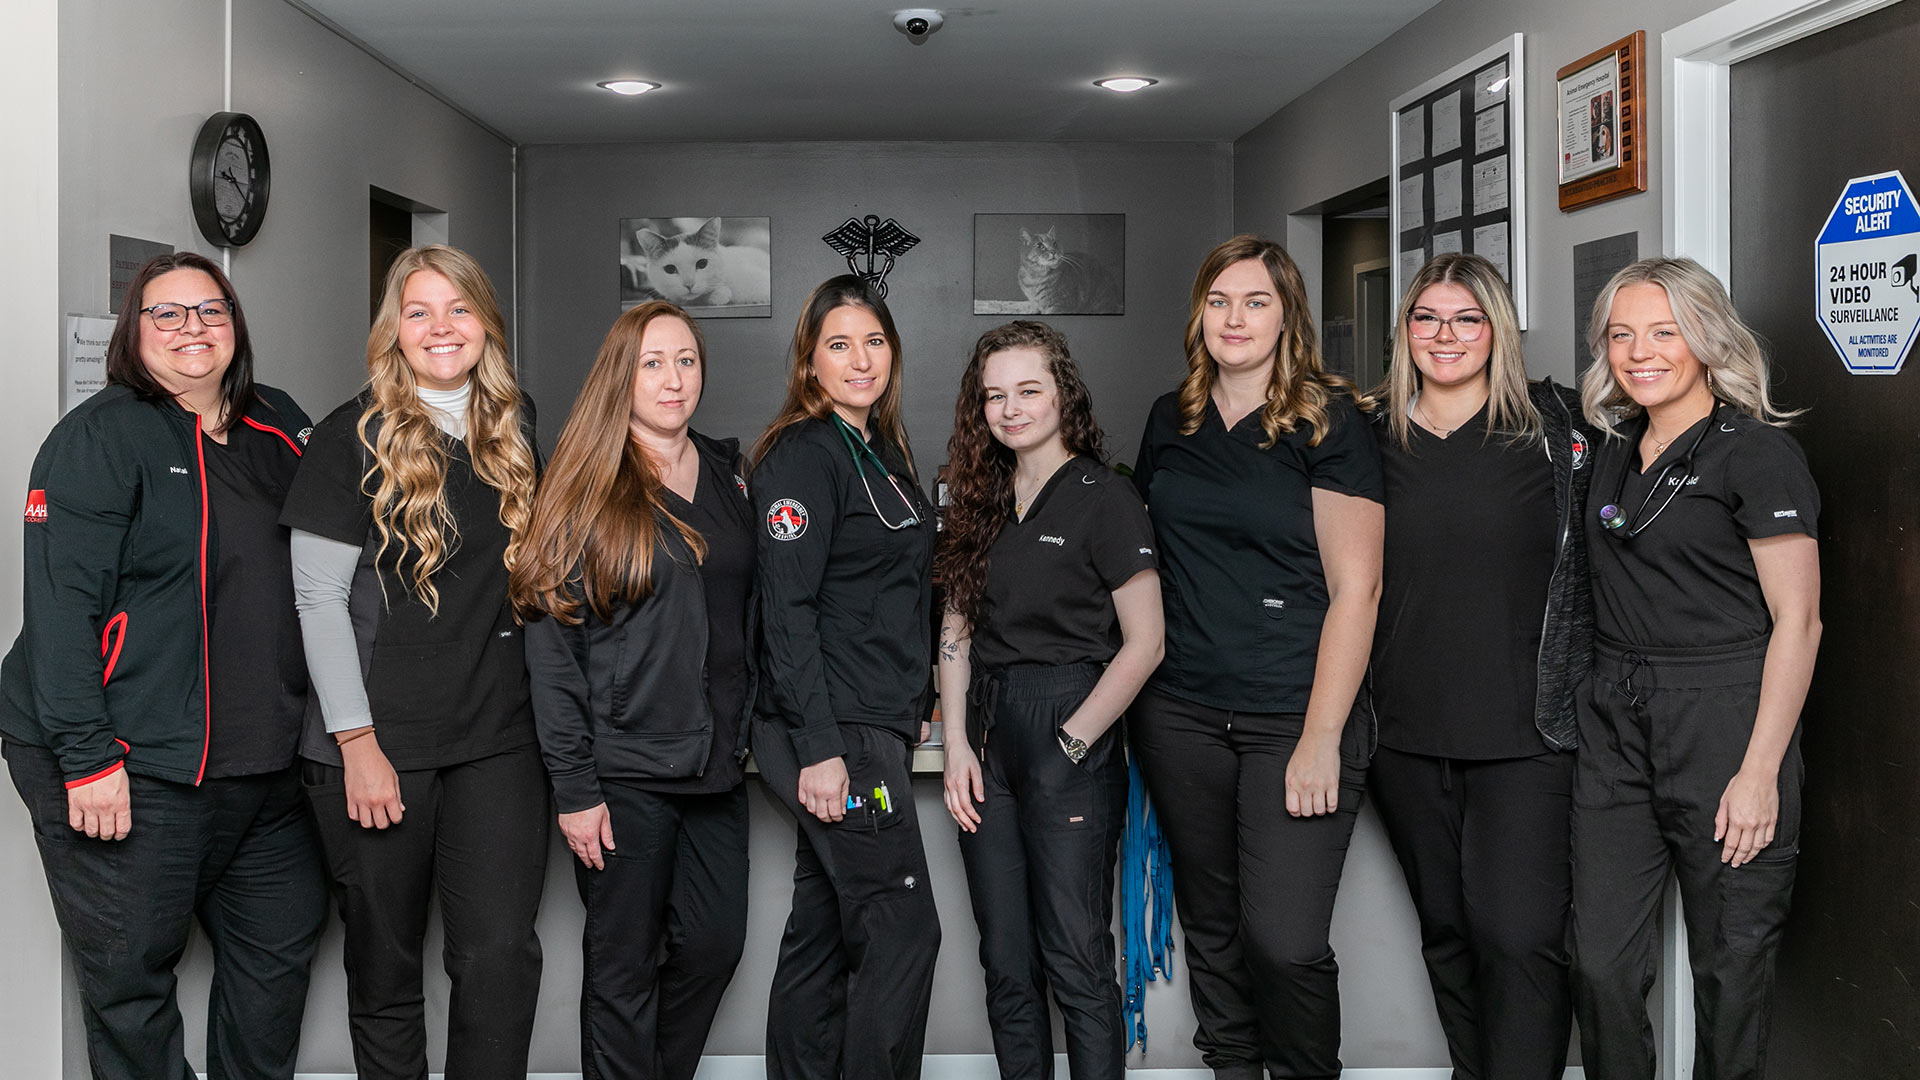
(1146, 892)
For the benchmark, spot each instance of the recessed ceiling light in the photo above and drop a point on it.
(628, 87)
(1125, 85)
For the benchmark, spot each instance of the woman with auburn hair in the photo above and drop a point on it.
(150, 708)
(1706, 591)
(845, 600)
(634, 579)
(1486, 628)
(1263, 485)
(1052, 624)
(422, 765)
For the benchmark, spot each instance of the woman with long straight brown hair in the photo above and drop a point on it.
(635, 580)
(845, 599)
(409, 508)
(1051, 626)
(1263, 484)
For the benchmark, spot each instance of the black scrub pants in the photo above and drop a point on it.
(1040, 873)
(666, 924)
(475, 835)
(1485, 847)
(855, 976)
(1662, 731)
(1255, 886)
(238, 854)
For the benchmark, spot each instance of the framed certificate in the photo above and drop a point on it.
(1601, 100)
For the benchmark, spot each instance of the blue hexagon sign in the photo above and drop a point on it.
(1868, 265)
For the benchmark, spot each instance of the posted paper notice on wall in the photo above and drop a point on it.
(83, 361)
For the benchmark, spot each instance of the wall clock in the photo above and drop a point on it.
(228, 178)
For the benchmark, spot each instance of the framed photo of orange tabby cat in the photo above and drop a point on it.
(715, 267)
(1049, 264)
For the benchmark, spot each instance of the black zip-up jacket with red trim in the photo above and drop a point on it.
(110, 668)
(626, 699)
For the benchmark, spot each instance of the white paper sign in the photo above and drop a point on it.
(1490, 86)
(1447, 242)
(1412, 214)
(1490, 185)
(84, 359)
(1490, 129)
(1413, 134)
(1446, 124)
(1446, 192)
(1490, 243)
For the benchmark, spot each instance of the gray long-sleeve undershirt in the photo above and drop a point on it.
(322, 583)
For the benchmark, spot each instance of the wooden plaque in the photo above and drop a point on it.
(1601, 102)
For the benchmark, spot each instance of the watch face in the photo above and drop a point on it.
(229, 179)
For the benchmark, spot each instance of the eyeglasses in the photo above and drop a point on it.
(174, 316)
(1465, 327)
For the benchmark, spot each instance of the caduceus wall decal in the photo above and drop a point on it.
(870, 247)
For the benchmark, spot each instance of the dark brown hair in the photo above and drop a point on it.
(124, 366)
(806, 397)
(597, 515)
(980, 467)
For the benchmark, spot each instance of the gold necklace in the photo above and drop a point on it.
(1432, 424)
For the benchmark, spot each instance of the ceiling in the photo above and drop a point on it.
(765, 70)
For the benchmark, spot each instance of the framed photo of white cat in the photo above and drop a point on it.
(1049, 264)
(716, 267)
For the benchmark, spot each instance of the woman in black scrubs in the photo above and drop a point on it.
(846, 550)
(153, 700)
(1052, 625)
(422, 763)
(1263, 484)
(1706, 580)
(634, 582)
(1486, 628)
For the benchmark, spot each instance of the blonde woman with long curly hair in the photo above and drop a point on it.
(422, 765)
(1263, 485)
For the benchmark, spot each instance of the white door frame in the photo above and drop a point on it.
(1696, 62)
(1696, 58)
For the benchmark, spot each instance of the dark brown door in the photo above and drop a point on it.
(1808, 117)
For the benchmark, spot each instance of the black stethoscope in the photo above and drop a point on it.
(857, 446)
(1614, 519)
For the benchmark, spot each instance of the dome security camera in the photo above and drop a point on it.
(918, 24)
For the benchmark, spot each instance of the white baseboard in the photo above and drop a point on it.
(975, 1067)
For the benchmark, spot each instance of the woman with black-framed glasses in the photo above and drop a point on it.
(152, 704)
(1485, 630)
(845, 586)
(1706, 578)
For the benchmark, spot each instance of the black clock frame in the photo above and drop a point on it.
(202, 180)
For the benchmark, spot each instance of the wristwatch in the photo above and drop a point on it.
(1076, 748)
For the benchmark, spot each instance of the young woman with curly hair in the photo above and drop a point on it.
(1264, 488)
(1052, 624)
(407, 512)
(635, 580)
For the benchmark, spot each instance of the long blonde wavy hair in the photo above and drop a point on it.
(1301, 385)
(1510, 411)
(408, 473)
(1714, 333)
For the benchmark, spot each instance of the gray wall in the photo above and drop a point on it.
(1333, 138)
(1176, 196)
(133, 89)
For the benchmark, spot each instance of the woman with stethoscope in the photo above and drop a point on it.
(1706, 580)
(845, 591)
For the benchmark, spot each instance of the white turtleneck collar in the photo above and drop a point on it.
(449, 407)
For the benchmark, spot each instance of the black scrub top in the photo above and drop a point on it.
(1241, 579)
(726, 576)
(1470, 547)
(1688, 580)
(845, 600)
(445, 687)
(1048, 597)
(256, 670)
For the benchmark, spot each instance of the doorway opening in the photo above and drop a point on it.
(394, 224)
(1356, 305)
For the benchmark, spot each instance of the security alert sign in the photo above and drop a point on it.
(1868, 265)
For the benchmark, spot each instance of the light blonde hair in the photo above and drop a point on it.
(407, 476)
(1736, 364)
(1510, 411)
(1301, 386)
